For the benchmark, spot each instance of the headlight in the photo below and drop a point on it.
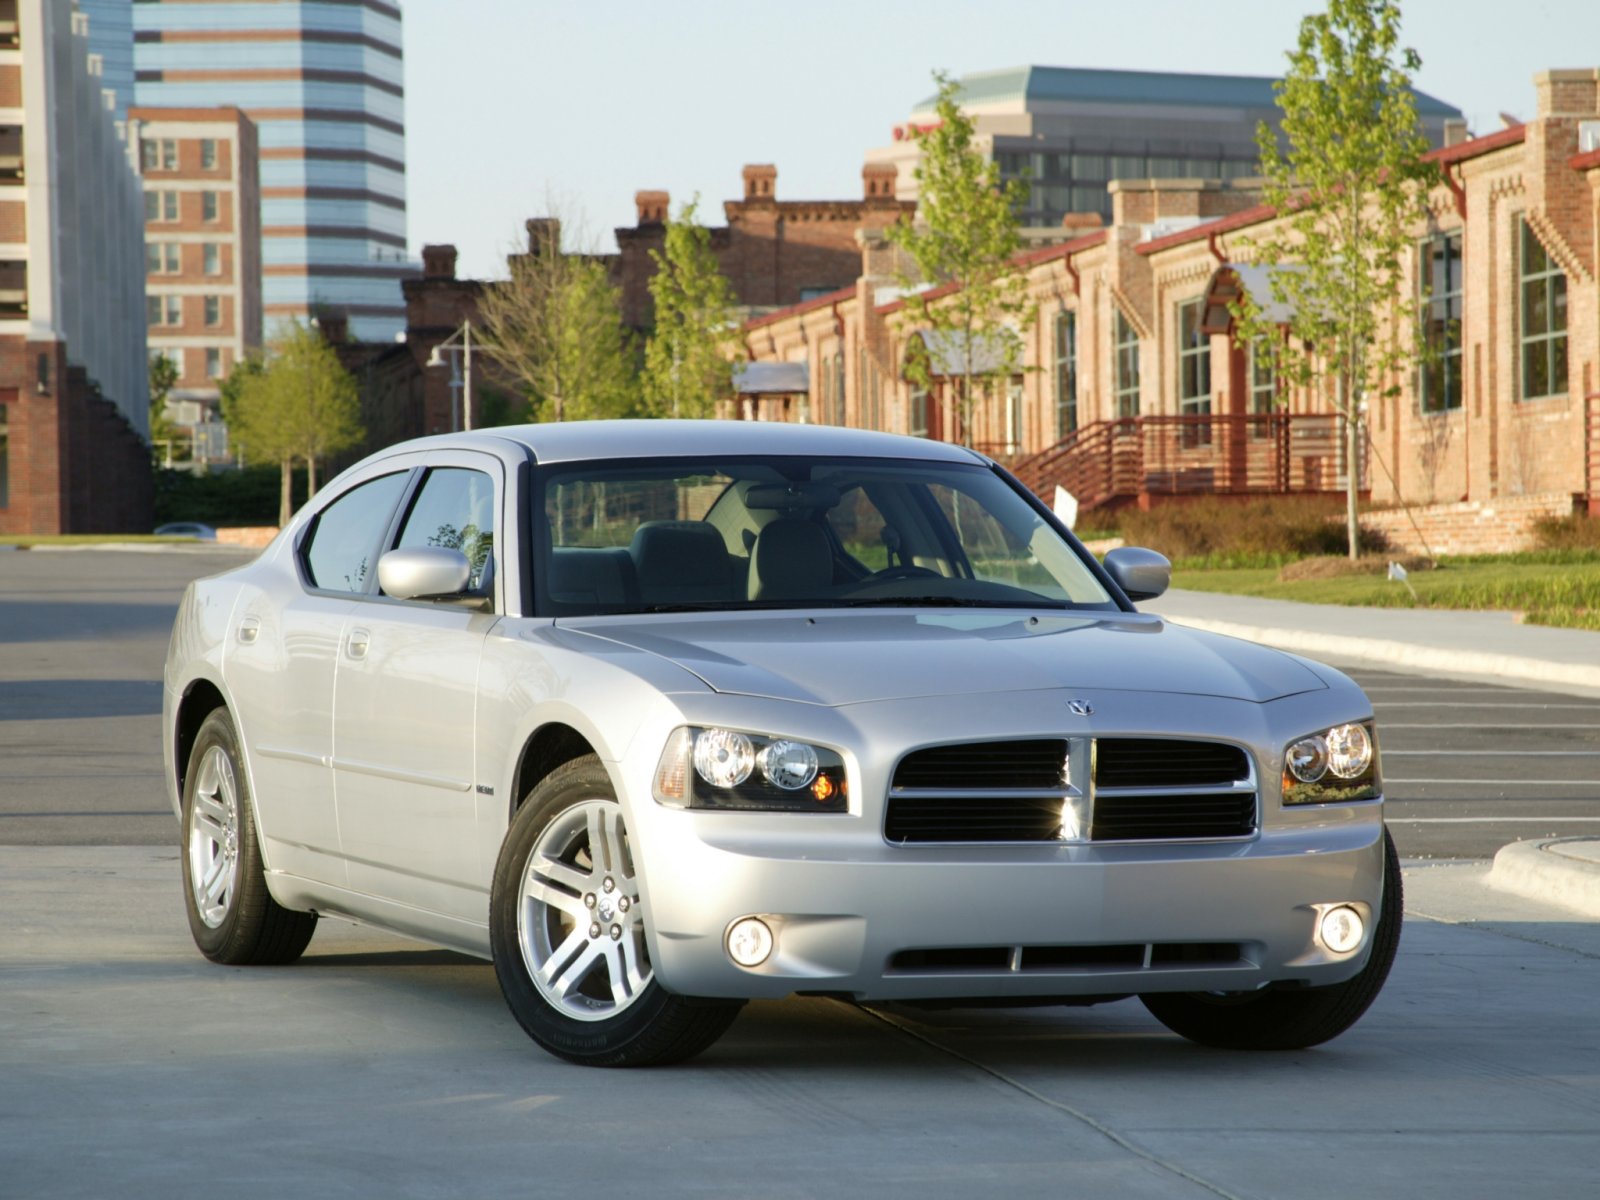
(730, 769)
(1333, 766)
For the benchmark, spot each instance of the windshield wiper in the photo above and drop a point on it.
(941, 602)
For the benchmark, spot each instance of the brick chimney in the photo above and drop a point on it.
(760, 181)
(439, 262)
(878, 180)
(335, 327)
(544, 233)
(652, 207)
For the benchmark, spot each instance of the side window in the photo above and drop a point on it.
(455, 509)
(342, 550)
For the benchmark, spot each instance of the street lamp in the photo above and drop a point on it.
(458, 368)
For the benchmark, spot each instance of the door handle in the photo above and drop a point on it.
(356, 644)
(249, 630)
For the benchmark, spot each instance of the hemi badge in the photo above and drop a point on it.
(484, 790)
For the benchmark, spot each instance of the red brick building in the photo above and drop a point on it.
(773, 252)
(74, 405)
(1134, 388)
(202, 200)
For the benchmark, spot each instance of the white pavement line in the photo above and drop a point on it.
(1075, 1113)
(1388, 725)
(1506, 782)
(1497, 705)
(1405, 654)
(1487, 820)
(1495, 753)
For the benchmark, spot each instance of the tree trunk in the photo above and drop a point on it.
(311, 476)
(284, 511)
(1352, 468)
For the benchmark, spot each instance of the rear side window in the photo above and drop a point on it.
(455, 509)
(342, 549)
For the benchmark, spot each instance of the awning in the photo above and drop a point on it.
(1257, 280)
(992, 350)
(772, 379)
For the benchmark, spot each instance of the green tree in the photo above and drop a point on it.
(163, 431)
(966, 234)
(687, 362)
(300, 404)
(555, 326)
(1351, 191)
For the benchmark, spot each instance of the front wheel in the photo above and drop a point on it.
(232, 915)
(1290, 1020)
(567, 931)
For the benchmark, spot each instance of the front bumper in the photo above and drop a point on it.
(924, 922)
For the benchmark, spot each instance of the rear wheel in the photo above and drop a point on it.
(1290, 1020)
(233, 917)
(567, 929)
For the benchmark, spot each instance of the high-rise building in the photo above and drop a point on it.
(202, 245)
(1068, 131)
(74, 398)
(111, 38)
(323, 84)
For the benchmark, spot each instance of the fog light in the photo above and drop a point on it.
(1342, 929)
(750, 941)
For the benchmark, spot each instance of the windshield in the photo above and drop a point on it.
(776, 532)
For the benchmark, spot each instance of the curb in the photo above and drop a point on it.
(1491, 667)
(1541, 870)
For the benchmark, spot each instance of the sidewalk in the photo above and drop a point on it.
(1490, 647)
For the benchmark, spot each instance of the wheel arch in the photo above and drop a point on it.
(549, 746)
(200, 699)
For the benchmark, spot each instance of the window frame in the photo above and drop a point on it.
(210, 206)
(1553, 282)
(1066, 360)
(209, 158)
(1450, 306)
(1125, 346)
(1194, 347)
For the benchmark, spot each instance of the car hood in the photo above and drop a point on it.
(853, 658)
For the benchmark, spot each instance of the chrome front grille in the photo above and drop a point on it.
(1079, 789)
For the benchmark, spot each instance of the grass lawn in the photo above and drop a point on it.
(1550, 589)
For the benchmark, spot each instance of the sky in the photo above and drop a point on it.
(520, 108)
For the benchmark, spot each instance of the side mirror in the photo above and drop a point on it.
(423, 573)
(1142, 574)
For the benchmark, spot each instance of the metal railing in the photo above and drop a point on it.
(1244, 454)
(1591, 460)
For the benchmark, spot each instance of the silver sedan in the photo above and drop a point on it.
(663, 716)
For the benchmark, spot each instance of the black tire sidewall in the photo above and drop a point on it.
(600, 1041)
(218, 942)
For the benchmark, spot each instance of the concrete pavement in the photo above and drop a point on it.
(1489, 646)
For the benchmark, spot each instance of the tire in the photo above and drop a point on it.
(567, 931)
(233, 917)
(1291, 1019)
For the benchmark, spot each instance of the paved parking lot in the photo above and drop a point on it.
(1469, 767)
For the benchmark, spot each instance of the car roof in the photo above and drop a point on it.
(576, 441)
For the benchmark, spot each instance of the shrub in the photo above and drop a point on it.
(1220, 532)
(1579, 531)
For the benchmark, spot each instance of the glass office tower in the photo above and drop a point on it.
(324, 84)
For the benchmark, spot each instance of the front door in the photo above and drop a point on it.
(405, 706)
